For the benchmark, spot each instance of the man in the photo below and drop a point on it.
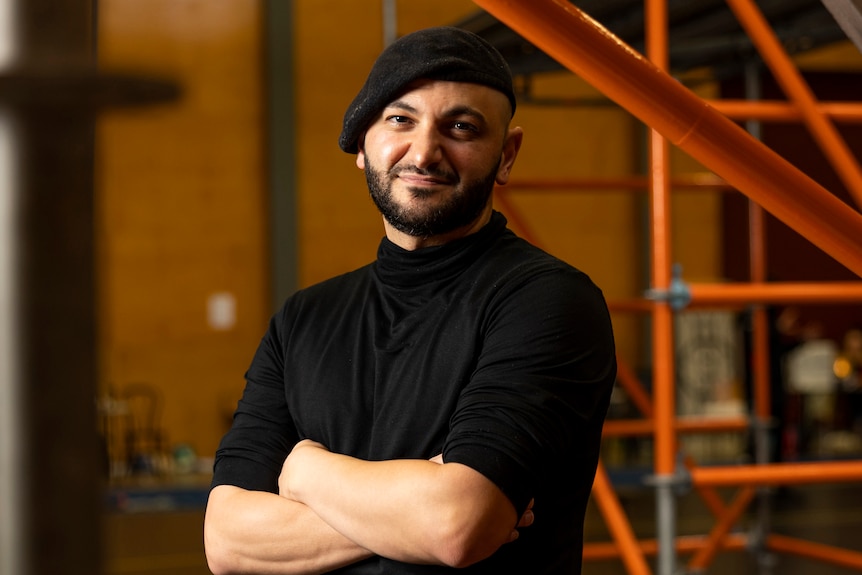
(417, 414)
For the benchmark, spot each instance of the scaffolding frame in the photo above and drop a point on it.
(707, 132)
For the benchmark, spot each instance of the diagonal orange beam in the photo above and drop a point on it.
(618, 524)
(791, 81)
(709, 495)
(826, 553)
(582, 45)
(633, 387)
(704, 556)
(603, 550)
(501, 197)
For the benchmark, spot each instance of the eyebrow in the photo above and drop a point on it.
(458, 110)
(402, 105)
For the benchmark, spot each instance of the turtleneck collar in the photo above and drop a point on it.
(400, 268)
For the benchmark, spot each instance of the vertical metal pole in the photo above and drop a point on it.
(51, 489)
(11, 436)
(390, 22)
(281, 148)
(757, 273)
(11, 481)
(761, 395)
(666, 528)
(663, 368)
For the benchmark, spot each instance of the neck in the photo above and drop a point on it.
(411, 243)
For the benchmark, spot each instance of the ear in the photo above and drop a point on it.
(510, 152)
(360, 154)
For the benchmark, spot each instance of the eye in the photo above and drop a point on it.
(398, 119)
(465, 127)
(466, 131)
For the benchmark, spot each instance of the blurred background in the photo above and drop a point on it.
(169, 173)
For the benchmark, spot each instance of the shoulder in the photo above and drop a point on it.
(339, 287)
(521, 267)
(319, 302)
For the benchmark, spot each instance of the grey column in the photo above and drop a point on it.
(52, 464)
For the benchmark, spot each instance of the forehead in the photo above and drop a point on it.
(442, 96)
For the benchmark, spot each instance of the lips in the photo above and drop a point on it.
(415, 177)
(417, 180)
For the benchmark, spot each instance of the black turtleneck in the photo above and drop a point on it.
(486, 349)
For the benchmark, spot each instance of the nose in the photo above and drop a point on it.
(426, 147)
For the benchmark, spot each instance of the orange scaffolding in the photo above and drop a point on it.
(707, 132)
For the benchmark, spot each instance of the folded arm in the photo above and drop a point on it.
(259, 532)
(414, 511)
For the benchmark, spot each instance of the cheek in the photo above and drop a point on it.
(388, 154)
(478, 166)
(383, 152)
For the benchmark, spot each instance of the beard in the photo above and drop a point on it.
(461, 208)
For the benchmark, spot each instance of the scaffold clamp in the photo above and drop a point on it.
(678, 294)
(680, 481)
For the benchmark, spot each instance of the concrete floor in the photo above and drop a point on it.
(828, 514)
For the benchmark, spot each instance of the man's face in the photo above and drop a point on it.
(433, 155)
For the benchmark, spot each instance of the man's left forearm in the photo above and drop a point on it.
(415, 511)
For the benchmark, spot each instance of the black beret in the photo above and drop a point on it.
(442, 53)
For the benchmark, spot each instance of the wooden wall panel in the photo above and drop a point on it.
(182, 215)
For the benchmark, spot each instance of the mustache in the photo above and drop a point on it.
(428, 172)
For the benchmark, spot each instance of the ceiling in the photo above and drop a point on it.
(702, 33)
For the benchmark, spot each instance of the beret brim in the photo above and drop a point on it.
(440, 53)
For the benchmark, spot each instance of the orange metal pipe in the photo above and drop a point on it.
(708, 494)
(706, 180)
(743, 294)
(631, 305)
(791, 81)
(778, 473)
(640, 427)
(711, 424)
(825, 553)
(711, 499)
(632, 385)
(759, 320)
(601, 551)
(778, 111)
(628, 427)
(760, 365)
(805, 292)
(618, 524)
(501, 198)
(664, 399)
(583, 46)
(704, 556)
(756, 243)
